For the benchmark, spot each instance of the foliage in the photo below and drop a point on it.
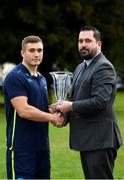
(58, 23)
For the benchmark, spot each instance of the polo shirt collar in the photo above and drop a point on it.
(27, 72)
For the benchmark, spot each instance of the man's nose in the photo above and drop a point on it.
(36, 53)
(83, 43)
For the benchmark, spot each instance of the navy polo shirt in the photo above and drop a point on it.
(22, 134)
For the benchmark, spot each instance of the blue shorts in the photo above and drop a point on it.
(28, 165)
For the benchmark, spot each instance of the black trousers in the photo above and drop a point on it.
(98, 164)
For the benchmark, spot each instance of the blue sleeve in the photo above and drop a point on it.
(14, 85)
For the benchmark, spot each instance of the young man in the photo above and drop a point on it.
(26, 103)
(93, 126)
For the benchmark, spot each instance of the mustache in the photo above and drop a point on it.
(82, 49)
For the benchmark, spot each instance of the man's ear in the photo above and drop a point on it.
(22, 52)
(100, 43)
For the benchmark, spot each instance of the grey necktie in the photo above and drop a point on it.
(84, 66)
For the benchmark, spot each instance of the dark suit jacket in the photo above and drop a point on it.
(93, 125)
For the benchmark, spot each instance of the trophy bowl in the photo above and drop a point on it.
(61, 84)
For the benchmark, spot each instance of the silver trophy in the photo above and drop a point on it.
(62, 84)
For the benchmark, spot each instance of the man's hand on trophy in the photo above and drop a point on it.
(64, 106)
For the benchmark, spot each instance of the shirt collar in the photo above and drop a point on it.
(88, 61)
(27, 72)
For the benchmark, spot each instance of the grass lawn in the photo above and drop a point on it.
(65, 163)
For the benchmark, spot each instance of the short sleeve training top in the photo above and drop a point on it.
(22, 134)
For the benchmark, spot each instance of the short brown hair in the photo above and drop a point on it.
(30, 39)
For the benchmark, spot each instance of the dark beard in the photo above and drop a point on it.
(86, 57)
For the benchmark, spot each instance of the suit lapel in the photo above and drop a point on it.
(82, 78)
